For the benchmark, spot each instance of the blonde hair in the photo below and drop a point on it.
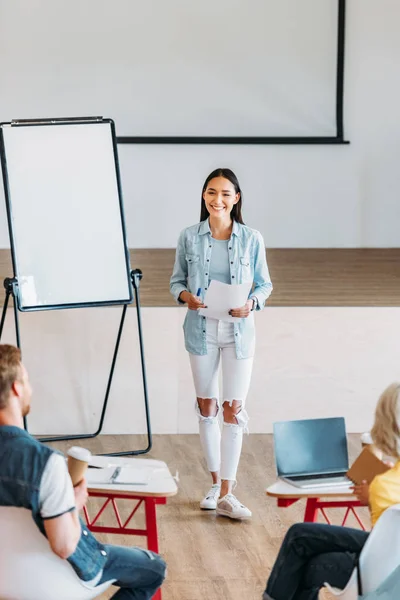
(386, 430)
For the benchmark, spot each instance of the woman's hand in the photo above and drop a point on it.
(193, 302)
(244, 311)
(362, 493)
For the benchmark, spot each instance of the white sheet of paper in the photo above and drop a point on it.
(120, 475)
(220, 298)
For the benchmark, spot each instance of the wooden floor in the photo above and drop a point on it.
(212, 558)
(301, 276)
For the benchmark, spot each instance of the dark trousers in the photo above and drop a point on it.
(138, 573)
(312, 554)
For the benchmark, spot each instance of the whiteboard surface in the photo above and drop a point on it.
(67, 229)
(174, 67)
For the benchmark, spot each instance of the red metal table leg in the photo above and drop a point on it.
(151, 524)
(311, 513)
(151, 528)
(313, 505)
(150, 515)
(285, 502)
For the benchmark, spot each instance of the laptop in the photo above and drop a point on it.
(312, 452)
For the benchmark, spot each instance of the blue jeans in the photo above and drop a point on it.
(312, 554)
(138, 573)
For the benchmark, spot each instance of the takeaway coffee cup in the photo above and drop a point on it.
(78, 460)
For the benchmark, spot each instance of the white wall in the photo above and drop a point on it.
(310, 362)
(224, 67)
(298, 196)
(322, 196)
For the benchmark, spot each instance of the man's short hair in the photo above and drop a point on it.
(10, 371)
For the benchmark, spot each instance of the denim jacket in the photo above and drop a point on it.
(22, 463)
(247, 262)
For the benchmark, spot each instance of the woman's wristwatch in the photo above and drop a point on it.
(254, 303)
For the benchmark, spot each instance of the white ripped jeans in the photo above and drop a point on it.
(222, 452)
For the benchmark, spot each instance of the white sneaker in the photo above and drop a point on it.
(209, 501)
(229, 506)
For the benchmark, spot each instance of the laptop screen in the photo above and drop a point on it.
(310, 447)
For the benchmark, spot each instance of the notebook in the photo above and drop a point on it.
(366, 467)
(119, 475)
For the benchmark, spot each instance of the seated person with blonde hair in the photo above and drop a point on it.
(314, 553)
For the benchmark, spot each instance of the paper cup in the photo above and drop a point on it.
(78, 460)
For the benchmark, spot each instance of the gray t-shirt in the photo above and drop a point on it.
(219, 263)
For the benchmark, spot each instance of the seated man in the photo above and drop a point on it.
(35, 477)
(314, 553)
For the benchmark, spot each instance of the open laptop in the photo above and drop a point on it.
(312, 452)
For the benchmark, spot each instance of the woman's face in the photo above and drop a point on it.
(220, 197)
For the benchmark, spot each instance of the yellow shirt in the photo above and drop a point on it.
(384, 491)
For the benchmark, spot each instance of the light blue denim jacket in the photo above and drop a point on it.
(247, 262)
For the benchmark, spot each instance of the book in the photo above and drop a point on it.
(366, 467)
(118, 475)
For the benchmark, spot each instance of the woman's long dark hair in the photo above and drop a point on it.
(236, 212)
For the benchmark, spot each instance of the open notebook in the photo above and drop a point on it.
(119, 475)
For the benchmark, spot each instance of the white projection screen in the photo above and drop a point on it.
(65, 215)
(180, 68)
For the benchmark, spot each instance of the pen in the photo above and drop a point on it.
(198, 293)
(115, 475)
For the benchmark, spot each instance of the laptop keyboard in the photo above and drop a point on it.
(321, 476)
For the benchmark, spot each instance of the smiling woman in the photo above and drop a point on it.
(221, 248)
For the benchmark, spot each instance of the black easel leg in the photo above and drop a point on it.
(110, 378)
(18, 338)
(86, 436)
(10, 291)
(3, 314)
(136, 277)
(17, 334)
